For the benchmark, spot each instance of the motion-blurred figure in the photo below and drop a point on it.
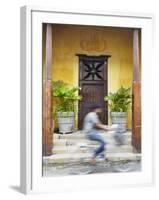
(92, 127)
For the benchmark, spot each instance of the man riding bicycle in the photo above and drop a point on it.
(92, 126)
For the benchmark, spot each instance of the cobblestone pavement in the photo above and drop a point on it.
(50, 170)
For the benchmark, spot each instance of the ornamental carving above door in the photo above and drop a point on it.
(94, 42)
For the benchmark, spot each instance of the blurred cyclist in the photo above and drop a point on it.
(92, 127)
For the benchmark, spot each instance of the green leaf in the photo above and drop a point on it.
(120, 100)
(65, 97)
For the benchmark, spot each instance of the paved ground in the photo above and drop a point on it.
(85, 168)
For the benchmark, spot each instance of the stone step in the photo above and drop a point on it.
(85, 149)
(85, 157)
(81, 135)
(70, 142)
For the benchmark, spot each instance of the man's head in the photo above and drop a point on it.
(96, 108)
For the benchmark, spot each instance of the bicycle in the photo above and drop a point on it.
(83, 162)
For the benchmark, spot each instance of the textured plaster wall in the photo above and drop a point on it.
(68, 40)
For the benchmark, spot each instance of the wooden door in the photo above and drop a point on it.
(93, 82)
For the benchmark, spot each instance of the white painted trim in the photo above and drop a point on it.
(90, 12)
(31, 119)
(25, 106)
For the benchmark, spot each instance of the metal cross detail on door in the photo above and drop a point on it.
(93, 82)
(93, 71)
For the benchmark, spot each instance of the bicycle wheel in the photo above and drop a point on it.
(125, 167)
(79, 165)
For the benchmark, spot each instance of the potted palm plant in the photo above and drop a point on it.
(65, 104)
(119, 104)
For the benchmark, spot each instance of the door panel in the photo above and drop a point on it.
(93, 70)
(92, 94)
(93, 83)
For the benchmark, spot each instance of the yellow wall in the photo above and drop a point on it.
(69, 40)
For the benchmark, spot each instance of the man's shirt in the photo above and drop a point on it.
(90, 120)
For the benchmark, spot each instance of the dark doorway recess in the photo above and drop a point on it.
(93, 80)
